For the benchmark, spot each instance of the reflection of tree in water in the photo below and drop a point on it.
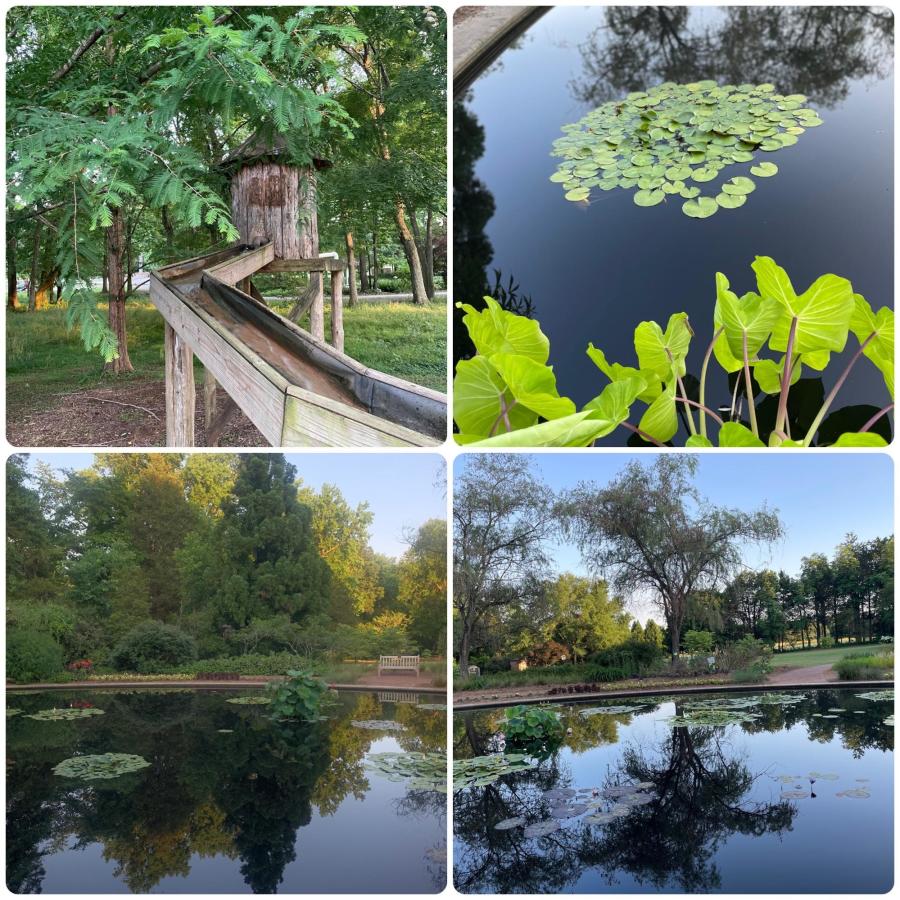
(243, 794)
(473, 206)
(700, 801)
(814, 50)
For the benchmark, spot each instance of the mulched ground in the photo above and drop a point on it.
(129, 413)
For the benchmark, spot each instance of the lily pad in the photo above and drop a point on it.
(878, 695)
(100, 766)
(731, 201)
(855, 793)
(253, 700)
(480, 771)
(764, 169)
(65, 715)
(701, 208)
(432, 706)
(542, 829)
(608, 710)
(739, 185)
(12, 711)
(507, 824)
(794, 795)
(576, 194)
(378, 725)
(421, 771)
(649, 198)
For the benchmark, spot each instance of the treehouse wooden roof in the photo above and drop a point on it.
(261, 148)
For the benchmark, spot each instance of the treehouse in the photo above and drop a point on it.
(297, 389)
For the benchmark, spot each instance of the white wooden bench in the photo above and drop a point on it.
(398, 664)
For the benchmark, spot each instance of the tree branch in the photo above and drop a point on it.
(83, 48)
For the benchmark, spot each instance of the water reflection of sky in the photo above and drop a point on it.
(593, 273)
(832, 843)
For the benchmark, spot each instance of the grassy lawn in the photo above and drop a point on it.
(44, 359)
(802, 658)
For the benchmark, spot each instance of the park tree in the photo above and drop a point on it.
(261, 558)
(653, 634)
(342, 534)
(587, 618)
(650, 530)
(423, 585)
(501, 519)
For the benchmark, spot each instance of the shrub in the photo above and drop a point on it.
(547, 654)
(632, 656)
(32, 656)
(300, 697)
(865, 667)
(697, 642)
(606, 673)
(743, 654)
(753, 674)
(150, 646)
(826, 642)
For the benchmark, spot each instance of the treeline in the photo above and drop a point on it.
(847, 598)
(155, 562)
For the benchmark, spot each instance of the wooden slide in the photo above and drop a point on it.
(296, 389)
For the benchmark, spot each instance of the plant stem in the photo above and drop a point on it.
(503, 417)
(786, 377)
(684, 396)
(833, 392)
(750, 398)
(705, 410)
(703, 368)
(876, 417)
(643, 434)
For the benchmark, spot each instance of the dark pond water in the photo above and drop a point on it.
(718, 809)
(230, 802)
(592, 272)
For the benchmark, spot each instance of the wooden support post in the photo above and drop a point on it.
(209, 397)
(179, 391)
(337, 310)
(317, 310)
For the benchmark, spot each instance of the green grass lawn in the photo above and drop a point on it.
(802, 658)
(44, 359)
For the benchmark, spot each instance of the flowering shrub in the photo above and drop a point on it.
(80, 665)
(130, 676)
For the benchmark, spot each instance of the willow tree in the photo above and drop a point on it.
(114, 110)
(650, 531)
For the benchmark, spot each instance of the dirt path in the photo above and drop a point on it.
(123, 413)
(808, 675)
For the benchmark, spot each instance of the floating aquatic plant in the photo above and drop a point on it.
(423, 771)
(12, 711)
(483, 770)
(608, 710)
(889, 721)
(254, 700)
(432, 706)
(100, 766)
(715, 718)
(64, 715)
(855, 793)
(878, 695)
(794, 795)
(542, 829)
(378, 725)
(507, 824)
(654, 142)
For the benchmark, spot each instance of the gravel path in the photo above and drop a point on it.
(808, 675)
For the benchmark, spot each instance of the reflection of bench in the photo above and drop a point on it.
(398, 664)
(398, 697)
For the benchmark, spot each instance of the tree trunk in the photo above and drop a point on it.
(428, 261)
(12, 291)
(364, 269)
(420, 298)
(351, 268)
(115, 240)
(128, 282)
(464, 651)
(35, 262)
(674, 635)
(375, 272)
(44, 292)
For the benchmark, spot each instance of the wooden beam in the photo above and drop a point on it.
(179, 390)
(209, 396)
(320, 264)
(317, 312)
(235, 270)
(337, 311)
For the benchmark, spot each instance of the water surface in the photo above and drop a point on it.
(592, 272)
(722, 813)
(231, 801)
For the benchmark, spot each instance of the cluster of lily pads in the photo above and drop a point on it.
(589, 711)
(878, 695)
(721, 711)
(657, 141)
(252, 700)
(65, 715)
(378, 725)
(480, 771)
(100, 766)
(12, 711)
(432, 706)
(422, 771)
(799, 792)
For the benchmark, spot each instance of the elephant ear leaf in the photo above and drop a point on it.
(578, 430)
(860, 439)
(660, 420)
(876, 331)
(822, 312)
(479, 397)
(614, 403)
(663, 352)
(494, 330)
(733, 434)
(751, 317)
(652, 384)
(768, 373)
(533, 385)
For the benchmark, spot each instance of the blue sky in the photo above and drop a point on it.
(820, 497)
(399, 488)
